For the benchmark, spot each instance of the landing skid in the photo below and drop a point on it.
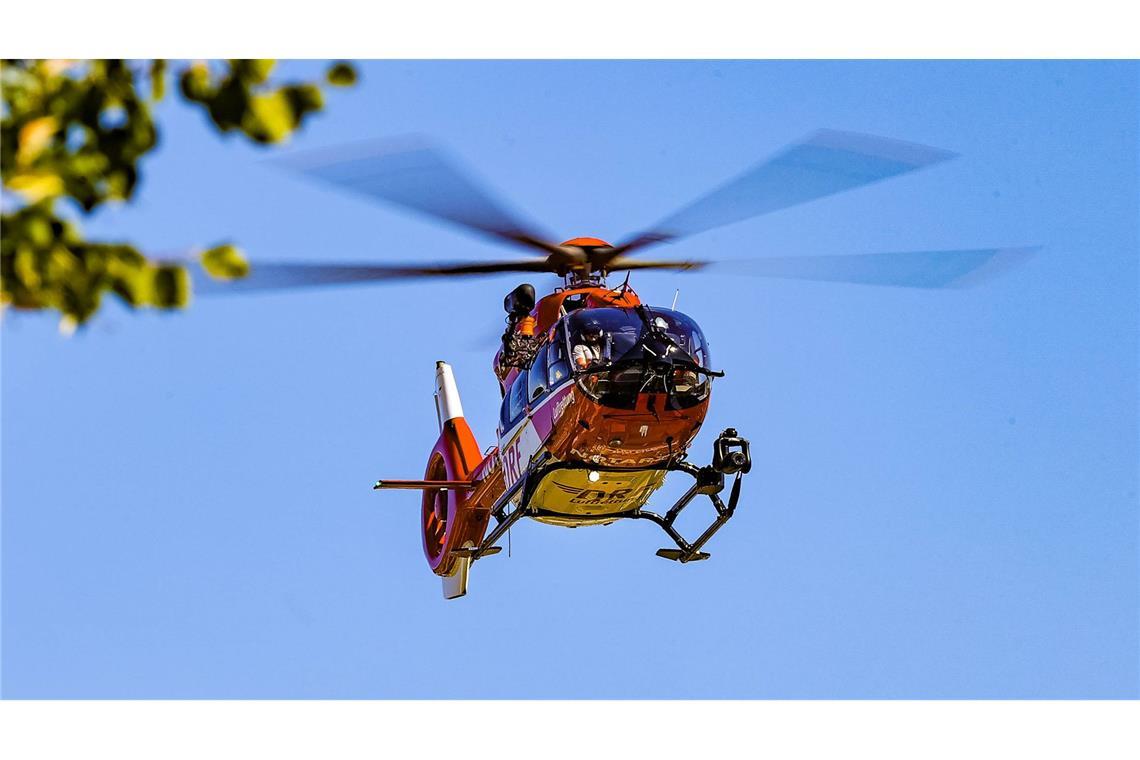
(709, 482)
(731, 456)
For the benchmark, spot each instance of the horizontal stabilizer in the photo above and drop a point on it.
(458, 485)
(476, 553)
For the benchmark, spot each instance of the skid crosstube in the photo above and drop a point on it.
(730, 456)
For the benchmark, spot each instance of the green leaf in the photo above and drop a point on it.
(157, 79)
(195, 82)
(34, 136)
(341, 74)
(225, 262)
(270, 118)
(59, 143)
(37, 231)
(303, 99)
(170, 287)
(253, 70)
(35, 186)
(130, 285)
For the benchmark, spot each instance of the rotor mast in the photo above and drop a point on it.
(584, 263)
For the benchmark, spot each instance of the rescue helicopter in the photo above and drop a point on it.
(602, 393)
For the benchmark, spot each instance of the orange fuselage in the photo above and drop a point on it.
(570, 426)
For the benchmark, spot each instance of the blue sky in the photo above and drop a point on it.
(944, 502)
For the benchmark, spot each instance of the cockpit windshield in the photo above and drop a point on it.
(642, 333)
(627, 351)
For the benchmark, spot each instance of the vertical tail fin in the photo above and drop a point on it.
(447, 403)
(461, 454)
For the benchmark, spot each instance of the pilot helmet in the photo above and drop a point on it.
(592, 331)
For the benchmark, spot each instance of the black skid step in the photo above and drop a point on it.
(679, 556)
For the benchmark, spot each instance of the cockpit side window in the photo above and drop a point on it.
(514, 403)
(537, 374)
(557, 363)
(505, 411)
(518, 399)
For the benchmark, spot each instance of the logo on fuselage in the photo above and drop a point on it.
(599, 496)
(563, 402)
(511, 469)
(517, 454)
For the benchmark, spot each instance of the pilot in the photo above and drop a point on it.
(589, 350)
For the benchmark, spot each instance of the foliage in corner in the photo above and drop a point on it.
(75, 132)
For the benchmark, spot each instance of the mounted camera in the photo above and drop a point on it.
(731, 453)
(519, 301)
(519, 342)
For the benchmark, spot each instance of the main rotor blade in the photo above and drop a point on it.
(620, 264)
(911, 269)
(412, 174)
(825, 163)
(914, 269)
(283, 276)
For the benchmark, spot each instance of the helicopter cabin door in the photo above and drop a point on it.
(527, 419)
(518, 440)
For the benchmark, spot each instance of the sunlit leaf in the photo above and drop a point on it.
(26, 269)
(129, 283)
(37, 230)
(270, 119)
(56, 66)
(34, 137)
(195, 82)
(35, 186)
(257, 70)
(225, 262)
(80, 130)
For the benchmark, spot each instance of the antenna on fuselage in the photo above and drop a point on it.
(675, 297)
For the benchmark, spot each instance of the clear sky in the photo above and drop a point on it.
(944, 501)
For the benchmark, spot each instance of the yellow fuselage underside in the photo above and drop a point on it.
(577, 500)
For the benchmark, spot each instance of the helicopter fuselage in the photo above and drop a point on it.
(611, 431)
(602, 396)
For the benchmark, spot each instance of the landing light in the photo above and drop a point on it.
(593, 476)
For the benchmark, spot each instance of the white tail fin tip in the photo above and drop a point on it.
(447, 400)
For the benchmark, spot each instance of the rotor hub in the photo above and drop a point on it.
(582, 261)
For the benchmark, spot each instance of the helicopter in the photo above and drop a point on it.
(602, 393)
